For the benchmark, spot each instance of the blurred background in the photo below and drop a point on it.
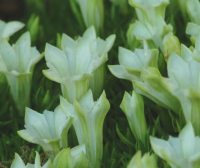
(12, 9)
(46, 19)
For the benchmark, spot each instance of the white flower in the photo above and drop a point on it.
(133, 107)
(74, 64)
(88, 122)
(132, 63)
(140, 67)
(8, 29)
(190, 9)
(17, 63)
(180, 152)
(147, 161)
(72, 158)
(184, 74)
(92, 12)
(20, 57)
(48, 130)
(150, 24)
(18, 163)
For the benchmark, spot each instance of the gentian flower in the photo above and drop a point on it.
(133, 107)
(140, 67)
(151, 27)
(17, 63)
(88, 117)
(18, 163)
(9, 28)
(72, 158)
(49, 130)
(74, 65)
(179, 152)
(184, 76)
(92, 12)
(146, 161)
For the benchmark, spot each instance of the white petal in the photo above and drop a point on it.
(162, 148)
(121, 72)
(18, 162)
(57, 59)
(37, 121)
(23, 52)
(187, 138)
(178, 70)
(129, 59)
(8, 56)
(11, 27)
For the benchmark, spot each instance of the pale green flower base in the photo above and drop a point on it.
(88, 117)
(133, 107)
(20, 87)
(97, 81)
(74, 89)
(146, 161)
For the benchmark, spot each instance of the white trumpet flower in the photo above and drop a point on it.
(48, 130)
(88, 122)
(92, 12)
(74, 64)
(133, 107)
(146, 161)
(17, 63)
(180, 152)
(9, 28)
(18, 163)
(72, 158)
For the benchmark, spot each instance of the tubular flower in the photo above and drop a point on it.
(76, 62)
(8, 29)
(190, 9)
(133, 107)
(48, 130)
(140, 67)
(18, 163)
(183, 151)
(89, 117)
(92, 12)
(184, 75)
(151, 26)
(17, 63)
(146, 161)
(72, 158)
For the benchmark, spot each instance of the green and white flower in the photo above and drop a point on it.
(74, 65)
(88, 122)
(140, 67)
(171, 45)
(17, 63)
(180, 152)
(9, 28)
(133, 107)
(194, 52)
(18, 163)
(184, 75)
(132, 63)
(190, 9)
(151, 23)
(71, 158)
(48, 130)
(146, 161)
(34, 27)
(92, 12)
